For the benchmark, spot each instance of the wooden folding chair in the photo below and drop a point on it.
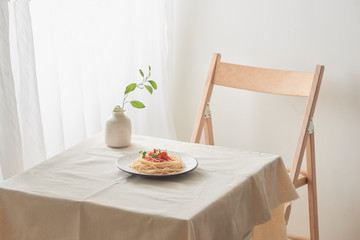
(304, 84)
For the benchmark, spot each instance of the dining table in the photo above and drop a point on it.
(81, 194)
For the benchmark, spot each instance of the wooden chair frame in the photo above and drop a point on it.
(290, 83)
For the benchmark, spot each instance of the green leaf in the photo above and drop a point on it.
(129, 88)
(149, 88)
(149, 68)
(153, 84)
(137, 104)
(141, 73)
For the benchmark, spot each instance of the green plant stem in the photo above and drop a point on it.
(123, 104)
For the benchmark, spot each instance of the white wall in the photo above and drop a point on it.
(282, 34)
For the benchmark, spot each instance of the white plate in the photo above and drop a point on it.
(124, 164)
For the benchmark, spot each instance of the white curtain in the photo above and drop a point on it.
(86, 52)
(21, 135)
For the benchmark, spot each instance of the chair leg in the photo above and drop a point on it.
(312, 191)
(208, 131)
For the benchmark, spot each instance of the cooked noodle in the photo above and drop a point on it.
(158, 168)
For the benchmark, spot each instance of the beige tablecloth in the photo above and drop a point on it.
(82, 195)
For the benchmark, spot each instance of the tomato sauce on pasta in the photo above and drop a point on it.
(157, 162)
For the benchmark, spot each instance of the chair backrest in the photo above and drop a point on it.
(304, 84)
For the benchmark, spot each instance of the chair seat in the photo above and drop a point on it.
(294, 237)
(302, 179)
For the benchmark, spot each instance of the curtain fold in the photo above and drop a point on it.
(21, 134)
(23, 67)
(11, 149)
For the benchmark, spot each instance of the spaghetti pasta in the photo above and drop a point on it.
(157, 163)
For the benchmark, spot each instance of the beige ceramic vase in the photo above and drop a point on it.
(118, 129)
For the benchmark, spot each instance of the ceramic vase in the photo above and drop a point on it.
(118, 129)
